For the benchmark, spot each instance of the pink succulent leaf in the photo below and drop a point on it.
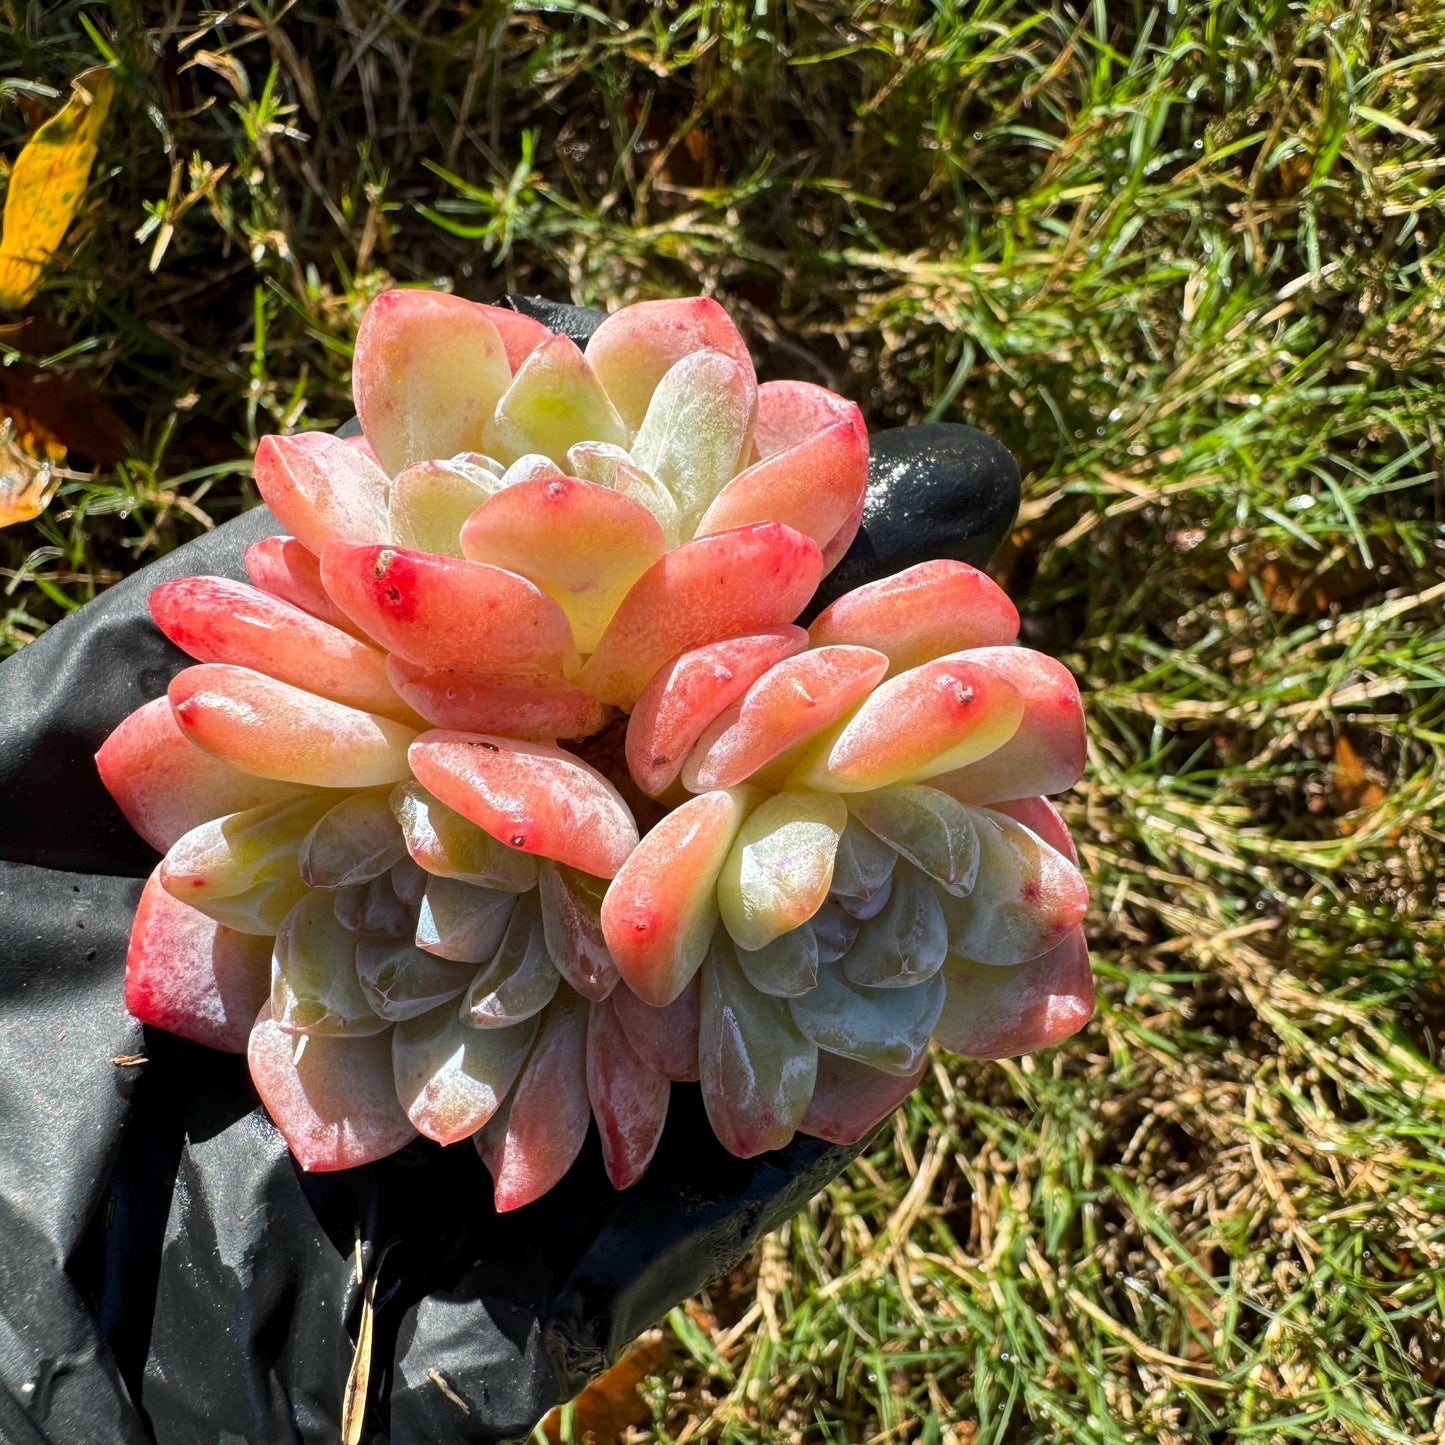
(665, 1038)
(537, 709)
(863, 865)
(553, 402)
(462, 922)
(584, 545)
(906, 941)
(361, 444)
(373, 908)
(785, 966)
(932, 830)
(401, 981)
(165, 785)
(689, 692)
(531, 1143)
(636, 347)
(697, 431)
(1046, 752)
(780, 866)
(452, 1079)
(661, 911)
(629, 1097)
(521, 335)
(520, 980)
(870, 905)
(288, 569)
(275, 730)
(850, 1099)
(189, 975)
(531, 796)
(885, 1028)
(356, 841)
(792, 702)
(483, 469)
(599, 462)
(1040, 816)
(242, 870)
(315, 988)
(410, 880)
(835, 930)
(428, 372)
(217, 620)
(757, 1069)
(837, 545)
(438, 612)
(611, 466)
(333, 1099)
(490, 1140)
(1026, 899)
(815, 486)
(429, 503)
(322, 490)
(447, 845)
(533, 467)
(999, 1013)
(924, 612)
(572, 924)
(929, 720)
(791, 411)
(690, 597)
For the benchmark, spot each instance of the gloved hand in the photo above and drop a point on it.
(167, 1272)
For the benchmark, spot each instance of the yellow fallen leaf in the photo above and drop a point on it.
(47, 182)
(26, 485)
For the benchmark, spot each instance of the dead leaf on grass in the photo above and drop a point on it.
(47, 182)
(54, 413)
(611, 1405)
(26, 485)
(1292, 592)
(1353, 790)
(45, 417)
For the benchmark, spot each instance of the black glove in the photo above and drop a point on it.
(167, 1273)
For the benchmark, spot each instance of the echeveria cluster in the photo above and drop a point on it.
(511, 793)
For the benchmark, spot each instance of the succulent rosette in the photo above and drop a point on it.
(511, 793)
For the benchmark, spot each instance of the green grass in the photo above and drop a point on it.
(1188, 261)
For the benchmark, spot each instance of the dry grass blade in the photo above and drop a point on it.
(358, 1378)
(440, 1381)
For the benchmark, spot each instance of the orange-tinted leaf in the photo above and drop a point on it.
(26, 485)
(610, 1405)
(53, 415)
(1351, 788)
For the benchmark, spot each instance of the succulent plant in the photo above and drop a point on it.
(510, 793)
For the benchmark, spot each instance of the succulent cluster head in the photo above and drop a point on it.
(510, 793)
